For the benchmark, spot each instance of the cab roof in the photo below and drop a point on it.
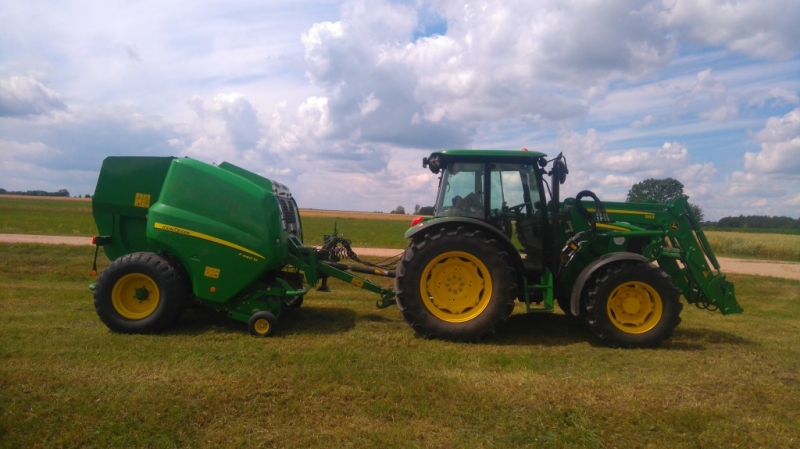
(439, 159)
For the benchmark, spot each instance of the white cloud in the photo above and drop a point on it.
(240, 118)
(26, 95)
(776, 96)
(780, 147)
(754, 27)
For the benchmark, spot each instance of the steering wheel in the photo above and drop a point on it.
(517, 209)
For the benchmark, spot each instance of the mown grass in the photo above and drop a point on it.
(74, 217)
(19, 215)
(341, 373)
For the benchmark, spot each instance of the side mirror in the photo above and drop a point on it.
(561, 170)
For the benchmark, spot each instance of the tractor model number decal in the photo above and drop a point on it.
(647, 215)
(211, 272)
(206, 237)
(142, 200)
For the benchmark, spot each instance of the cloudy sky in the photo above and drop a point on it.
(340, 100)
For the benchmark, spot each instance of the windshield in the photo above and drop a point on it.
(463, 189)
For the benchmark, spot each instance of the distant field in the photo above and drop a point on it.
(341, 373)
(48, 216)
(760, 246)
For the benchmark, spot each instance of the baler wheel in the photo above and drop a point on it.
(632, 305)
(262, 324)
(455, 284)
(140, 293)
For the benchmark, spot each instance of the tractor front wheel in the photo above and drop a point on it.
(632, 305)
(140, 293)
(455, 284)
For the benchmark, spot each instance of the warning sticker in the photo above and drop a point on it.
(142, 200)
(211, 273)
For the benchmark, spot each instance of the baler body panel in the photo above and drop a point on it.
(224, 229)
(126, 188)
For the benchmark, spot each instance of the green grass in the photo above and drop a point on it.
(340, 373)
(46, 216)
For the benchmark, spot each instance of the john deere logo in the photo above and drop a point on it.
(673, 226)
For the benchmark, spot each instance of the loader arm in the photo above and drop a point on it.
(683, 252)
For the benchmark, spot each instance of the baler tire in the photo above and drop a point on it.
(141, 293)
(632, 305)
(467, 266)
(262, 324)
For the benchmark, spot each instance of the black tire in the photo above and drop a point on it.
(632, 305)
(262, 324)
(470, 285)
(141, 293)
(564, 303)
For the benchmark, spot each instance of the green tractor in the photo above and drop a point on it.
(500, 233)
(181, 232)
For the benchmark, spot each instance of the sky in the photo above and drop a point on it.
(341, 100)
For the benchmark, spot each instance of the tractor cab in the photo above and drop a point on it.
(501, 188)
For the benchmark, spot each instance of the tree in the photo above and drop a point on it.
(661, 191)
(425, 210)
(658, 190)
(400, 210)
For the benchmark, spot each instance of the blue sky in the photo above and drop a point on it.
(341, 100)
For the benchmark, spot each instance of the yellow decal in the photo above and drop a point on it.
(647, 215)
(201, 236)
(673, 226)
(142, 200)
(211, 273)
(357, 282)
(612, 227)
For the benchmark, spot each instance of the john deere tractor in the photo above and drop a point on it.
(501, 234)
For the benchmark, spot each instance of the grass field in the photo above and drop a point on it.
(341, 373)
(19, 215)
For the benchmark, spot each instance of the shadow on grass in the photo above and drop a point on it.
(543, 329)
(695, 339)
(301, 321)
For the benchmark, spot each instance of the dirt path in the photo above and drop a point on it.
(788, 270)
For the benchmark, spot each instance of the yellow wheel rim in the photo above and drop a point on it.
(456, 286)
(262, 326)
(135, 296)
(635, 307)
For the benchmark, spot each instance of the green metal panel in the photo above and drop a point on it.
(126, 188)
(225, 230)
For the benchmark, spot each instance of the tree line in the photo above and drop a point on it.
(62, 192)
(758, 222)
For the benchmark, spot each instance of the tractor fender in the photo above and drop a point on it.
(590, 269)
(504, 242)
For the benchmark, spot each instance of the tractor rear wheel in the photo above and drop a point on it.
(455, 284)
(141, 293)
(632, 305)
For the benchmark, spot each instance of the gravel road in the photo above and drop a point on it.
(788, 270)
